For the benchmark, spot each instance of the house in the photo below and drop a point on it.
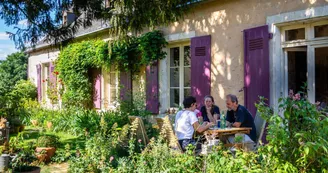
(243, 47)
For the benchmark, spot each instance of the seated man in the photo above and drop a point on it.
(239, 116)
(186, 123)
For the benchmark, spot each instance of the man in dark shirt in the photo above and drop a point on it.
(239, 116)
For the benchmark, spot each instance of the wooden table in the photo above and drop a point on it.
(227, 131)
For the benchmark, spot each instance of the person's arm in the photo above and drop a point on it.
(201, 128)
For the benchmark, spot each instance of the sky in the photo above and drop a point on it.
(7, 46)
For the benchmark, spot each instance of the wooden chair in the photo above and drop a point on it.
(166, 130)
(140, 129)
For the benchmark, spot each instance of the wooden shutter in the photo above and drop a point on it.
(38, 81)
(200, 67)
(52, 76)
(97, 88)
(152, 102)
(256, 66)
(126, 85)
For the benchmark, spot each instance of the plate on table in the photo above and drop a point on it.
(214, 128)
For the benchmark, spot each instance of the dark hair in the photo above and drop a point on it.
(188, 101)
(233, 98)
(209, 96)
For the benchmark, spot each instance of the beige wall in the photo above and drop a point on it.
(225, 20)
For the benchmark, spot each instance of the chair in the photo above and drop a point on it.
(260, 126)
(140, 128)
(167, 132)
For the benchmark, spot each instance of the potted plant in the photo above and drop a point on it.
(238, 141)
(24, 162)
(46, 147)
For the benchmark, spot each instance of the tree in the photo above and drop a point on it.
(44, 17)
(12, 70)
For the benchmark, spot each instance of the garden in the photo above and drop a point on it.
(88, 140)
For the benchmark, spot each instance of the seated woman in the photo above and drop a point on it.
(186, 123)
(210, 112)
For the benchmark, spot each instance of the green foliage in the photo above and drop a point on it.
(44, 17)
(101, 150)
(298, 136)
(47, 141)
(12, 70)
(74, 64)
(24, 160)
(151, 45)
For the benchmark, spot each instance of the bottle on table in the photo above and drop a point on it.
(223, 120)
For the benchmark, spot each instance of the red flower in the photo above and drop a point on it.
(56, 72)
(43, 81)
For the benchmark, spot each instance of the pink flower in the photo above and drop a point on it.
(111, 158)
(297, 97)
(295, 106)
(139, 140)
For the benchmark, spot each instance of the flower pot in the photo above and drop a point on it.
(238, 145)
(4, 162)
(34, 122)
(46, 156)
(31, 169)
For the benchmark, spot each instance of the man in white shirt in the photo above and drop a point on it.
(186, 123)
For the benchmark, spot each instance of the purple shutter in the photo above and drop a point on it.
(97, 88)
(38, 81)
(256, 66)
(52, 75)
(126, 85)
(200, 67)
(152, 102)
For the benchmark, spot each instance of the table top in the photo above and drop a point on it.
(227, 130)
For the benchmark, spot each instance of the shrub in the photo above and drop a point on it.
(47, 141)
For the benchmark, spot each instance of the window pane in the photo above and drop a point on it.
(112, 79)
(174, 77)
(297, 69)
(174, 97)
(187, 92)
(295, 34)
(187, 77)
(112, 95)
(186, 56)
(174, 57)
(321, 31)
(321, 76)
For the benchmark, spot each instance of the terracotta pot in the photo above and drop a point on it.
(238, 145)
(35, 169)
(49, 124)
(34, 122)
(49, 152)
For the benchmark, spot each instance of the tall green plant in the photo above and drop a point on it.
(74, 63)
(298, 135)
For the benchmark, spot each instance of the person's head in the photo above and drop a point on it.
(190, 103)
(208, 101)
(232, 102)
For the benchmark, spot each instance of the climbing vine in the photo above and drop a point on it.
(75, 63)
(78, 61)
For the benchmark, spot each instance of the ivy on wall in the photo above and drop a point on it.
(74, 64)
(76, 61)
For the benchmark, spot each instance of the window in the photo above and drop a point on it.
(295, 34)
(307, 59)
(321, 31)
(179, 74)
(111, 87)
